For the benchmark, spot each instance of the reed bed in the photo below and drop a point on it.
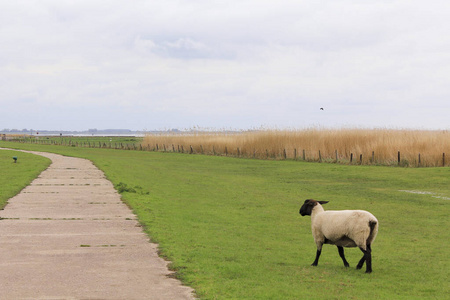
(419, 148)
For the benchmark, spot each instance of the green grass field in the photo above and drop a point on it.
(15, 176)
(232, 229)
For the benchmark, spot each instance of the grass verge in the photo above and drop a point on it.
(15, 176)
(232, 230)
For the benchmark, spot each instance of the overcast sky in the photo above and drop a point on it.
(145, 64)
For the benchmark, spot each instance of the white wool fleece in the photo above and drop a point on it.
(342, 227)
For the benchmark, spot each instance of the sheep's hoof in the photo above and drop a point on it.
(347, 265)
(314, 264)
(358, 267)
(368, 271)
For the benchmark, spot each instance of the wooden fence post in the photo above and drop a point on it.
(337, 159)
(398, 157)
(192, 150)
(373, 156)
(295, 153)
(351, 157)
(284, 153)
(226, 151)
(238, 152)
(443, 159)
(360, 159)
(304, 155)
(320, 157)
(419, 160)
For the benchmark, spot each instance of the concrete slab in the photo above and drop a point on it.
(69, 236)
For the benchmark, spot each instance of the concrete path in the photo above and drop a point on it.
(69, 236)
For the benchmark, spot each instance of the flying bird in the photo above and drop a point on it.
(321, 108)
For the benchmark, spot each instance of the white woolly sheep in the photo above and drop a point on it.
(343, 228)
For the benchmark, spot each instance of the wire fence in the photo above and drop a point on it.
(296, 154)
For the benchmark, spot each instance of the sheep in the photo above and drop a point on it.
(344, 228)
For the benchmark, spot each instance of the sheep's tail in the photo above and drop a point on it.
(373, 225)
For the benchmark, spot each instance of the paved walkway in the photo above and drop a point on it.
(68, 236)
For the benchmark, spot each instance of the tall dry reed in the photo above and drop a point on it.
(365, 146)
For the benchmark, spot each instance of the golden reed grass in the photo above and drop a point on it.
(364, 146)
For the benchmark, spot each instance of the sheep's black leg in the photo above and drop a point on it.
(317, 258)
(367, 257)
(341, 254)
(369, 260)
(361, 262)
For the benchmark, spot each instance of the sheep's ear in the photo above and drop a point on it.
(323, 202)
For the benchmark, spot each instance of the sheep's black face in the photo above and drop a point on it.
(307, 207)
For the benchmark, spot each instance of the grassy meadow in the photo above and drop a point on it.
(15, 176)
(232, 230)
(373, 146)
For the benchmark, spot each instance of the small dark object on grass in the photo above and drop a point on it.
(15, 159)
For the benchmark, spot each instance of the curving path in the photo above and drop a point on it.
(68, 235)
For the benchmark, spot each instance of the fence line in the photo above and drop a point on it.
(282, 155)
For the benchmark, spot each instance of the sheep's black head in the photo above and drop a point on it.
(308, 206)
